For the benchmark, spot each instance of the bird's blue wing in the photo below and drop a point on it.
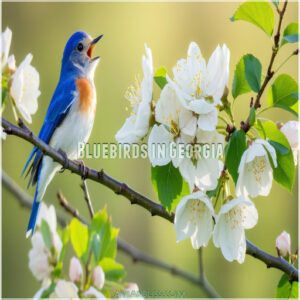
(63, 97)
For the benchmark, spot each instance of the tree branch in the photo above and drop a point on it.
(137, 256)
(98, 176)
(133, 196)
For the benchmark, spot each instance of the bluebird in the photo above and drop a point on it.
(69, 118)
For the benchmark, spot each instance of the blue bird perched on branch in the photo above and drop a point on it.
(70, 116)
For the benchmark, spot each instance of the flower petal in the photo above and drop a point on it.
(218, 73)
(5, 46)
(159, 137)
(168, 107)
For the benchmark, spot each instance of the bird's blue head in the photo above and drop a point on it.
(77, 57)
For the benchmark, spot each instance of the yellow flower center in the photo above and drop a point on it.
(197, 209)
(235, 217)
(257, 167)
(133, 95)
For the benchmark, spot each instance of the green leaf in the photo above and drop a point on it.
(258, 13)
(46, 233)
(113, 271)
(160, 77)
(234, 151)
(111, 250)
(103, 236)
(100, 218)
(101, 239)
(284, 93)
(280, 148)
(167, 182)
(79, 237)
(240, 85)
(287, 289)
(185, 190)
(290, 34)
(253, 71)
(284, 174)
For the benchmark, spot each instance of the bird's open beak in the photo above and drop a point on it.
(92, 46)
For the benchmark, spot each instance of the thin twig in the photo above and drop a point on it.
(133, 196)
(87, 197)
(65, 205)
(246, 125)
(201, 264)
(137, 256)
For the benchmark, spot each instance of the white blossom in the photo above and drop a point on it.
(65, 290)
(283, 244)
(94, 293)
(39, 256)
(255, 170)
(177, 126)
(25, 88)
(203, 172)
(136, 126)
(98, 277)
(5, 46)
(229, 233)
(290, 130)
(170, 112)
(75, 270)
(194, 219)
(161, 137)
(49, 215)
(199, 86)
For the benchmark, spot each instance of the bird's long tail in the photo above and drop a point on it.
(34, 213)
(45, 174)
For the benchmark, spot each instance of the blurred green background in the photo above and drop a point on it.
(42, 29)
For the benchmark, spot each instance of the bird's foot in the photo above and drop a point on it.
(83, 169)
(66, 160)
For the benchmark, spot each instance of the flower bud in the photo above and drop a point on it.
(75, 271)
(290, 130)
(283, 244)
(131, 287)
(98, 277)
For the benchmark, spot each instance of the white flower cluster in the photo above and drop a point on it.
(42, 262)
(187, 113)
(23, 81)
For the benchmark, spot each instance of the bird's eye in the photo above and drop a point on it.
(80, 47)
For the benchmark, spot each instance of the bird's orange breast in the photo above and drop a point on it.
(86, 95)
